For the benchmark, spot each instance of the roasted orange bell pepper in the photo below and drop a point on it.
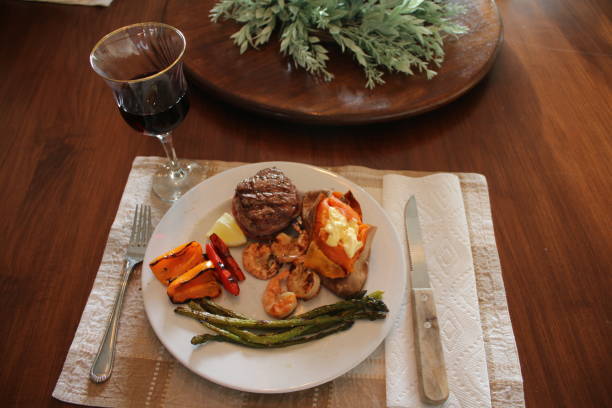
(196, 283)
(176, 262)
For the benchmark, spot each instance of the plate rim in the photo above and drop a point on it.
(402, 262)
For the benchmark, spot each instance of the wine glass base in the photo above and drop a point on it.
(171, 185)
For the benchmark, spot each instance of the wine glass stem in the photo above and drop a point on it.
(173, 163)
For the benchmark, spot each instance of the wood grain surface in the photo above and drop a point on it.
(265, 81)
(538, 127)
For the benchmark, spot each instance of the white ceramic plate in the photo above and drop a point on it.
(277, 370)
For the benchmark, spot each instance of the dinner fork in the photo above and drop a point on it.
(102, 366)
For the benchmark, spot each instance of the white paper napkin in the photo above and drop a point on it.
(449, 261)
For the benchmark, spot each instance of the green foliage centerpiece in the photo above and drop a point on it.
(396, 35)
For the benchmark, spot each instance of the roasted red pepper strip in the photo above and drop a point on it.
(225, 276)
(226, 256)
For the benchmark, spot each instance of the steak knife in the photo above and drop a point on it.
(429, 354)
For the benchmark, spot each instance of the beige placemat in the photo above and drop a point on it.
(146, 374)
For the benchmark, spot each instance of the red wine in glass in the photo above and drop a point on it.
(168, 113)
(161, 122)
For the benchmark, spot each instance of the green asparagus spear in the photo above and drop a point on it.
(378, 294)
(221, 332)
(199, 339)
(196, 306)
(257, 324)
(206, 337)
(329, 309)
(216, 308)
(357, 295)
(364, 302)
(251, 337)
(270, 338)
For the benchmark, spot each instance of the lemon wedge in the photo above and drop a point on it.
(228, 230)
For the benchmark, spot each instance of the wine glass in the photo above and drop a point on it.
(142, 64)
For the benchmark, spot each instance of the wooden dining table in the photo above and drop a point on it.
(538, 126)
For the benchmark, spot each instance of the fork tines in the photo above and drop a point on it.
(141, 227)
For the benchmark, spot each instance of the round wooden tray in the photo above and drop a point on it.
(265, 81)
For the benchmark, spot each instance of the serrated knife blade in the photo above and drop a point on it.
(433, 380)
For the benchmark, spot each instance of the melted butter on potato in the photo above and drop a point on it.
(342, 232)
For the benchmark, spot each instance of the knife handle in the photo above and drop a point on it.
(429, 353)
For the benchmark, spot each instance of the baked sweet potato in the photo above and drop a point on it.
(355, 281)
(317, 260)
(337, 253)
(176, 262)
(342, 274)
(196, 283)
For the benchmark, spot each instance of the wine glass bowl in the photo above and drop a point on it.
(142, 64)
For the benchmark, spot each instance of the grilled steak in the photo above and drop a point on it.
(265, 203)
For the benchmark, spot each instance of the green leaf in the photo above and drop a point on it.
(243, 47)
(334, 29)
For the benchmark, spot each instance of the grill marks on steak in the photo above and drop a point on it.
(265, 203)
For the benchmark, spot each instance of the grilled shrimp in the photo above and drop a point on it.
(287, 248)
(258, 260)
(277, 300)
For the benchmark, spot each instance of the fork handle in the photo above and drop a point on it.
(102, 366)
